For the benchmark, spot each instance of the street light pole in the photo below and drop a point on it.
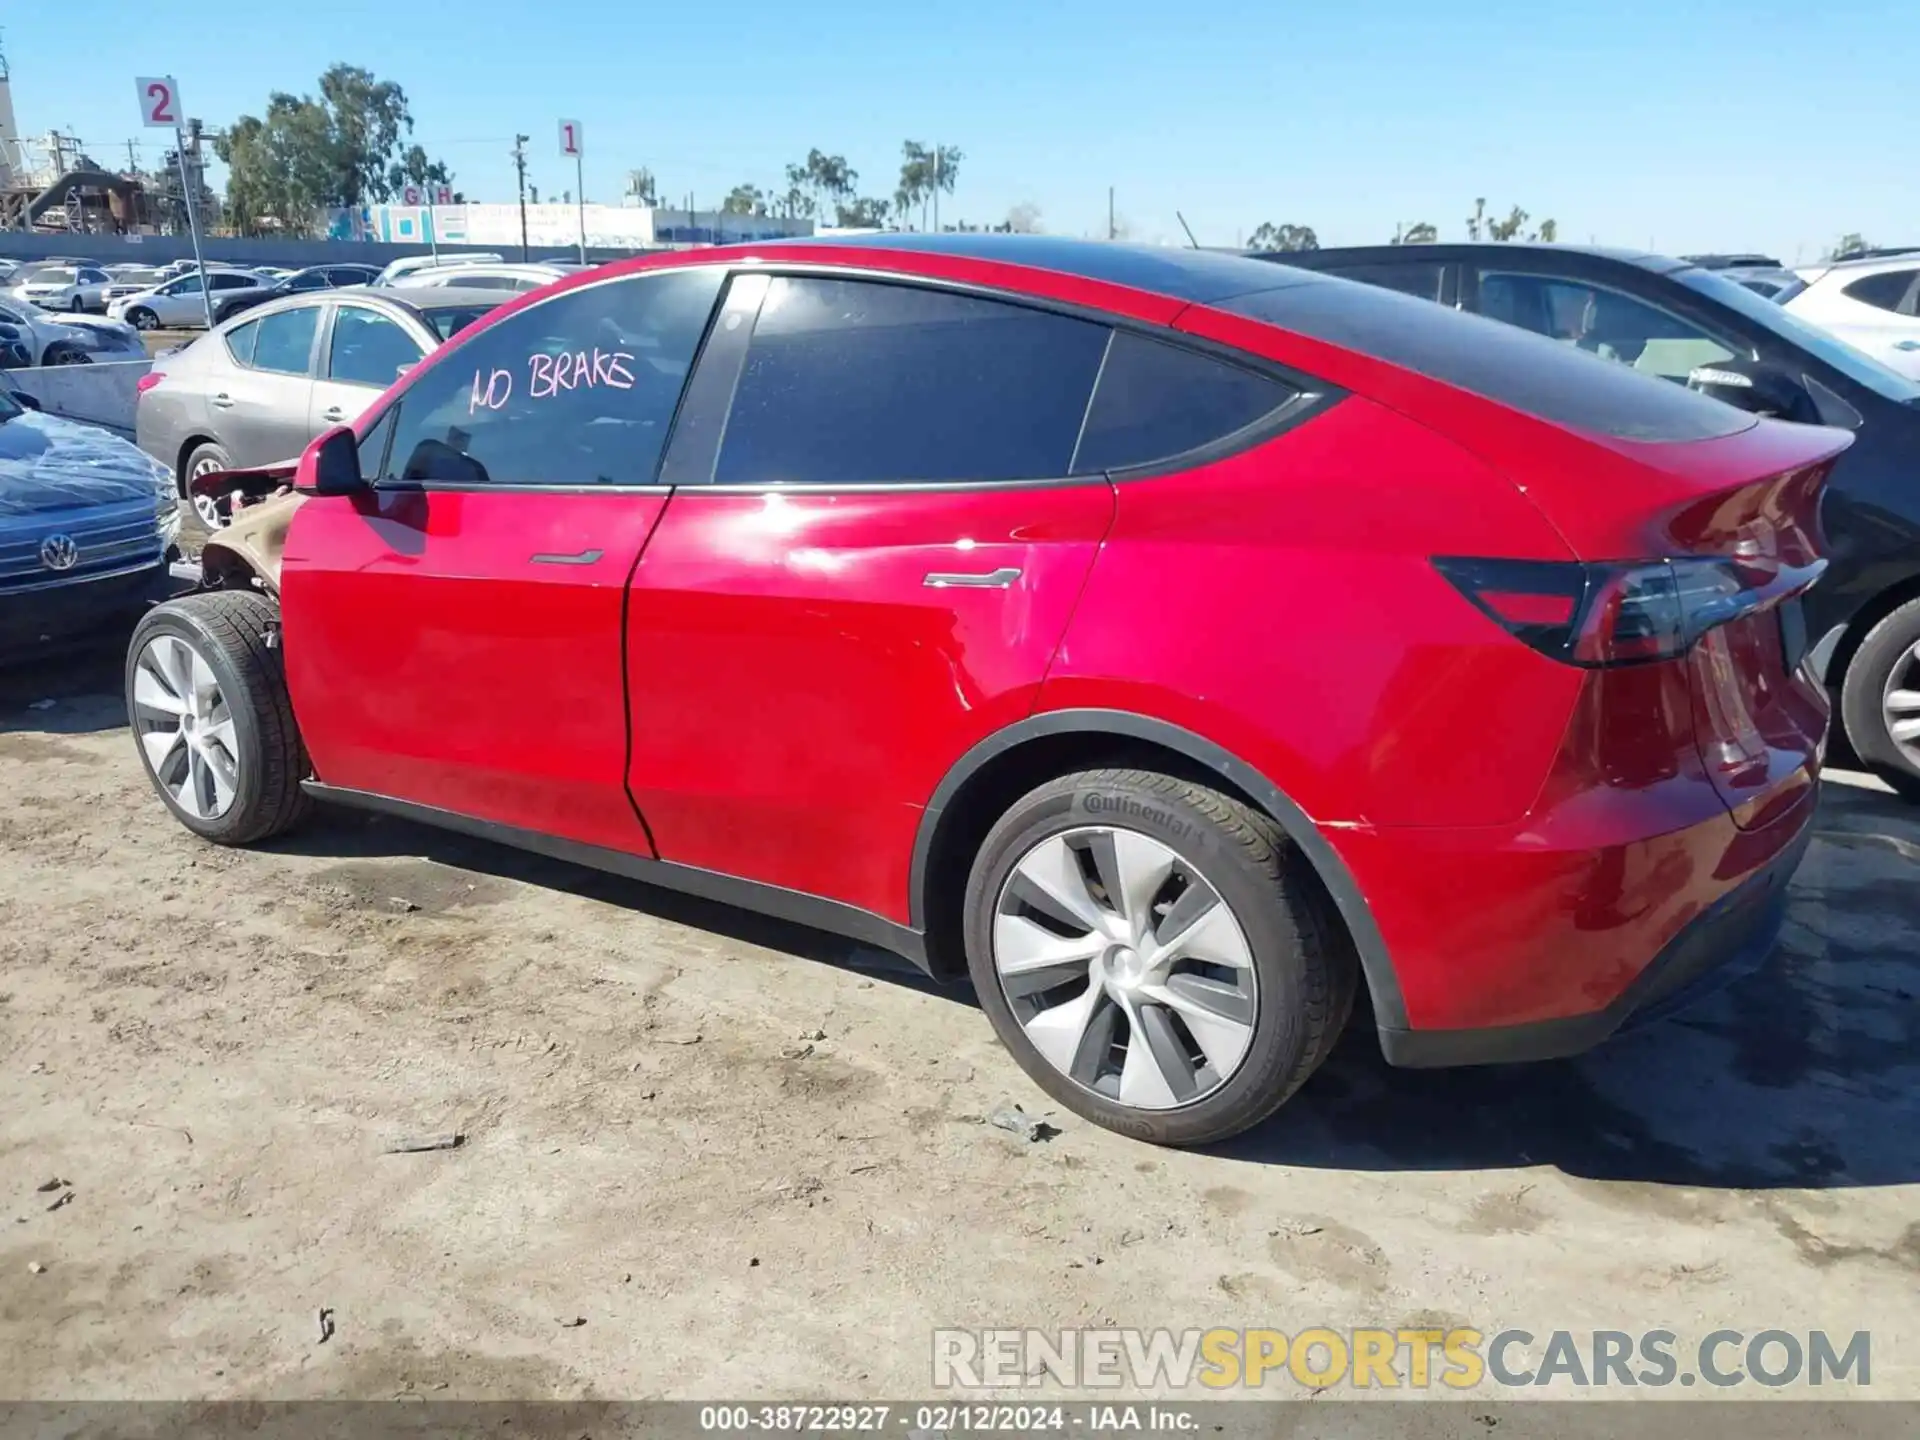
(520, 169)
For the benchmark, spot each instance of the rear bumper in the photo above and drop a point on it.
(1519, 952)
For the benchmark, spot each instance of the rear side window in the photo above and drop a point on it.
(850, 382)
(1156, 401)
(285, 343)
(1893, 290)
(240, 341)
(1551, 381)
(578, 390)
(234, 282)
(368, 348)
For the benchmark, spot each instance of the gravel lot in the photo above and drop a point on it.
(751, 1161)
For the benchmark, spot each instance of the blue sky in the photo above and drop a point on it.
(1685, 124)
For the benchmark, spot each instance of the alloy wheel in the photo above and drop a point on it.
(205, 506)
(185, 727)
(1124, 966)
(145, 320)
(1900, 705)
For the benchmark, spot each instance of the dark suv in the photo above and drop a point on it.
(1695, 326)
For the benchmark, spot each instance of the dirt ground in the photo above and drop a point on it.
(711, 1156)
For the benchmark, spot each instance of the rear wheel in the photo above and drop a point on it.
(1880, 700)
(78, 306)
(1149, 952)
(207, 700)
(206, 459)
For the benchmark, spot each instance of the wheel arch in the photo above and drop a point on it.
(1008, 763)
(1860, 624)
(185, 453)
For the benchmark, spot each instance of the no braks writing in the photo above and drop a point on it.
(549, 375)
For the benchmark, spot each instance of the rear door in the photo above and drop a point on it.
(365, 350)
(260, 403)
(874, 548)
(455, 636)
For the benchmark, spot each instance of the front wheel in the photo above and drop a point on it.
(64, 354)
(142, 318)
(1152, 955)
(79, 306)
(207, 700)
(1880, 701)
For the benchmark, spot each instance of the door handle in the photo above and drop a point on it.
(978, 580)
(333, 414)
(583, 557)
(223, 400)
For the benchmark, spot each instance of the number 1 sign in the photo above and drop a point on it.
(570, 138)
(159, 102)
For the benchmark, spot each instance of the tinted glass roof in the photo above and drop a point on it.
(1203, 276)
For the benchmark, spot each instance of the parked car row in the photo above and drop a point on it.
(1695, 327)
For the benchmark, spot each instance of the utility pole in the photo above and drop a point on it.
(133, 157)
(936, 187)
(520, 170)
(1110, 226)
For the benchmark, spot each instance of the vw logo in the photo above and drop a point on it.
(58, 552)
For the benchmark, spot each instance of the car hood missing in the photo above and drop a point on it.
(47, 463)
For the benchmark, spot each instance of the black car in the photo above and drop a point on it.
(1694, 326)
(314, 277)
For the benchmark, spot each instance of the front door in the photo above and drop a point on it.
(454, 635)
(876, 543)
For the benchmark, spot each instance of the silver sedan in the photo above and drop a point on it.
(254, 391)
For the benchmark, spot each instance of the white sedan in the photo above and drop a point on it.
(178, 304)
(65, 287)
(1874, 305)
(43, 338)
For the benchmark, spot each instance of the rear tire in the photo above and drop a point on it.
(232, 774)
(204, 459)
(79, 306)
(1267, 961)
(1880, 701)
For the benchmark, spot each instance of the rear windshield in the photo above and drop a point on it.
(1550, 380)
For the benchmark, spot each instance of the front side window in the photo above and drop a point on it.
(186, 285)
(308, 280)
(1602, 322)
(1156, 401)
(368, 348)
(850, 382)
(285, 343)
(94, 277)
(580, 390)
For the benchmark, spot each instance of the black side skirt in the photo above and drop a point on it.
(829, 915)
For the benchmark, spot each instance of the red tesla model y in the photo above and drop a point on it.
(1171, 642)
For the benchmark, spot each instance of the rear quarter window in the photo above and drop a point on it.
(1516, 368)
(1155, 402)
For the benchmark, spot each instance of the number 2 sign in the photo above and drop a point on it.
(159, 102)
(570, 137)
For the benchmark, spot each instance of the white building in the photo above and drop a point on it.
(608, 227)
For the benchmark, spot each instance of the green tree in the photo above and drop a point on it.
(1477, 220)
(863, 212)
(744, 200)
(1418, 233)
(924, 172)
(349, 146)
(1283, 237)
(1548, 232)
(1508, 228)
(1850, 243)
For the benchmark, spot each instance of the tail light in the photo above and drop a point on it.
(147, 381)
(1598, 616)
